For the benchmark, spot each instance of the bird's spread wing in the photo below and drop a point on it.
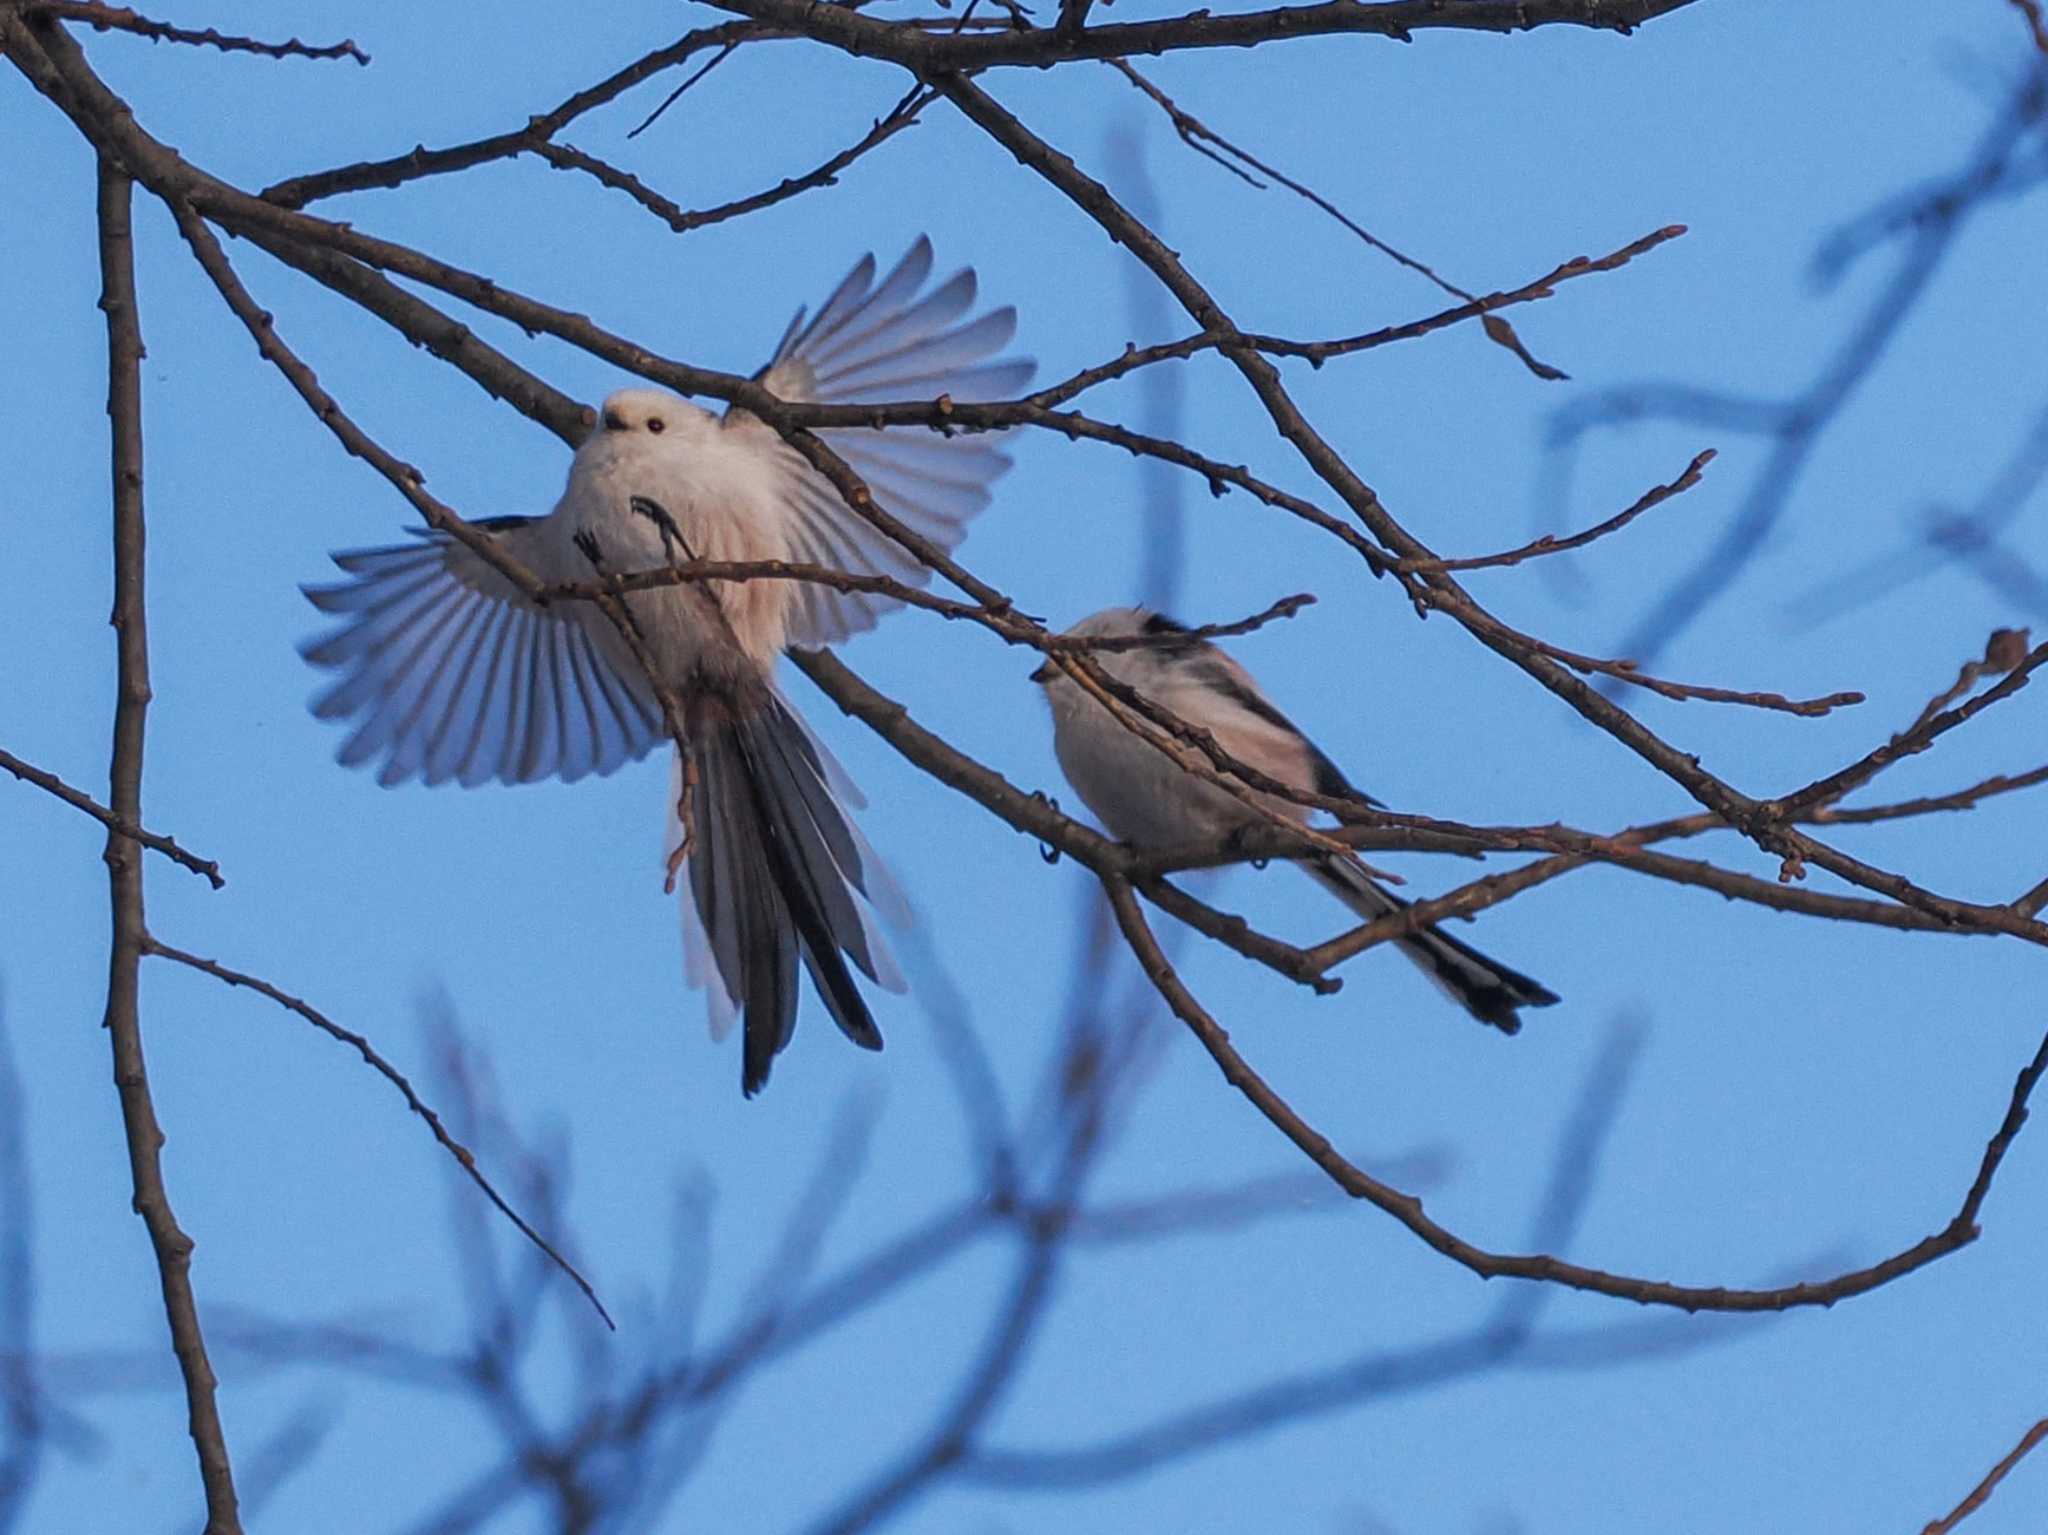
(451, 673)
(885, 341)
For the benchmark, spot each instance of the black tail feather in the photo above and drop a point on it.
(1484, 987)
(774, 874)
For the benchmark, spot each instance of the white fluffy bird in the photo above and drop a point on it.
(452, 675)
(1147, 799)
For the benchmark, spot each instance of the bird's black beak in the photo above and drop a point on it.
(614, 422)
(1045, 673)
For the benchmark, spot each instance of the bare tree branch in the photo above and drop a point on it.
(124, 861)
(844, 28)
(1958, 1233)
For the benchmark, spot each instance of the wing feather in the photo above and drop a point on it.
(880, 341)
(449, 672)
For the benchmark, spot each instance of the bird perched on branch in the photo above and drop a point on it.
(452, 674)
(1145, 797)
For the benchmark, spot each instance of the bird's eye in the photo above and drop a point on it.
(655, 424)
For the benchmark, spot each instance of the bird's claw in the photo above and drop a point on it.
(1236, 840)
(671, 536)
(1046, 850)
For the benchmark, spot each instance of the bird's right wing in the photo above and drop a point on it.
(451, 673)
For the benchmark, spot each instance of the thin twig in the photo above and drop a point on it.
(1316, 353)
(676, 95)
(1285, 607)
(118, 18)
(682, 220)
(1955, 799)
(992, 1375)
(1198, 136)
(2005, 653)
(1628, 672)
(1505, 1340)
(2033, 1436)
(1550, 543)
(376, 1062)
(79, 800)
(1005, 621)
(422, 162)
(31, 1417)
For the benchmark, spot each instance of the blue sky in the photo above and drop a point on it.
(1804, 1094)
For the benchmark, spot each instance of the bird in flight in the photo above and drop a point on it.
(1148, 799)
(449, 673)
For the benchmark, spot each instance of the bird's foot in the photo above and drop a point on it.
(1046, 850)
(1238, 841)
(672, 538)
(686, 812)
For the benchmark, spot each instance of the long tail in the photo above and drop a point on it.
(777, 872)
(1485, 988)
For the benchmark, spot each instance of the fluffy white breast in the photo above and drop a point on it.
(722, 495)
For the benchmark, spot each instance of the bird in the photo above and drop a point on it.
(1149, 800)
(449, 673)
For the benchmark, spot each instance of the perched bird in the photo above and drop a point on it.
(1147, 799)
(451, 674)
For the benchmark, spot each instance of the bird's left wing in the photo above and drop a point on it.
(451, 673)
(883, 341)
(1209, 687)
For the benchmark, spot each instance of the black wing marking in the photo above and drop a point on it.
(1212, 669)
